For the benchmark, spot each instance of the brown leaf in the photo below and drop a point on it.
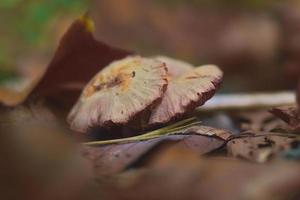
(177, 174)
(209, 131)
(289, 114)
(113, 158)
(260, 147)
(258, 120)
(38, 160)
(78, 57)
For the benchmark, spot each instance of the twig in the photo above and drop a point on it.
(246, 101)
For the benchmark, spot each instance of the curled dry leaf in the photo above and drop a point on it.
(261, 147)
(209, 131)
(119, 92)
(186, 92)
(115, 157)
(77, 59)
(289, 114)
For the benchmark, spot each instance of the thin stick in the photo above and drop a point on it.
(246, 101)
(150, 135)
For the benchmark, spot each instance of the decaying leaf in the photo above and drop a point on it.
(114, 157)
(119, 92)
(261, 147)
(209, 131)
(178, 174)
(185, 92)
(38, 160)
(77, 59)
(258, 120)
(290, 115)
(79, 55)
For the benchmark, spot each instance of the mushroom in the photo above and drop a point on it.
(119, 92)
(185, 91)
(175, 67)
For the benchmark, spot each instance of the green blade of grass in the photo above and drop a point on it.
(168, 130)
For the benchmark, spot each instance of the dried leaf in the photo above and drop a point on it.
(177, 174)
(113, 158)
(78, 57)
(258, 120)
(38, 160)
(209, 131)
(260, 147)
(289, 114)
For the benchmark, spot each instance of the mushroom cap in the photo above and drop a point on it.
(175, 67)
(119, 92)
(186, 92)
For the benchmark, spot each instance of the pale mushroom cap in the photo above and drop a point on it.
(186, 92)
(175, 67)
(119, 92)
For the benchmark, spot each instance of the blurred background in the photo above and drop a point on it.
(255, 42)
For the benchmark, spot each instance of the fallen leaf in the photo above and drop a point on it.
(38, 160)
(260, 147)
(289, 114)
(78, 57)
(178, 174)
(258, 120)
(113, 158)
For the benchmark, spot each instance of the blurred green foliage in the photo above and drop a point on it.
(23, 26)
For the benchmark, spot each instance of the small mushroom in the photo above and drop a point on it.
(186, 91)
(119, 92)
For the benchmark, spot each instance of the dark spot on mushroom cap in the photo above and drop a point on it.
(133, 74)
